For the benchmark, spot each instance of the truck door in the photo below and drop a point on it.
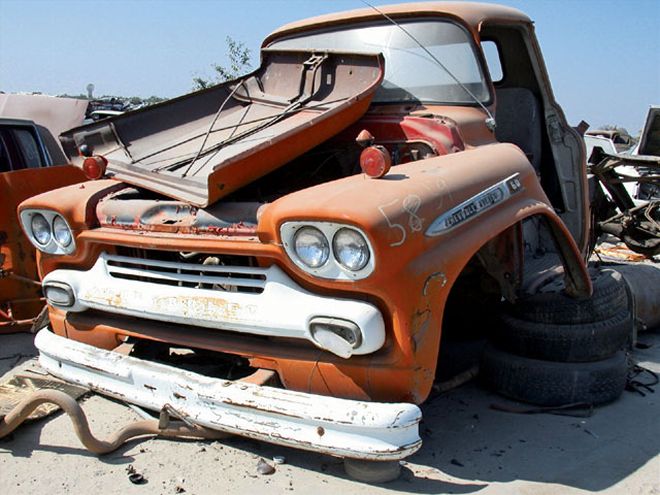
(528, 116)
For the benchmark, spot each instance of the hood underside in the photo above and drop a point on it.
(201, 147)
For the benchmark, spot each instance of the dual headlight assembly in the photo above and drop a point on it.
(324, 249)
(328, 250)
(48, 231)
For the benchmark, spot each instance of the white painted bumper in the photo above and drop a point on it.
(214, 296)
(346, 428)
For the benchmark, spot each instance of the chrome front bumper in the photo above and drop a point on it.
(345, 428)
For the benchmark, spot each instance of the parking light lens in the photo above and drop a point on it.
(61, 232)
(311, 247)
(40, 229)
(350, 249)
(59, 294)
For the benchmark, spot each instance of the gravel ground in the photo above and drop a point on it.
(468, 447)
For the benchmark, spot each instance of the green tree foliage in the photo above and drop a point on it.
(239, 63)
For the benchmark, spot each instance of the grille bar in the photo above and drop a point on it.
(172, 272)
(245, 270)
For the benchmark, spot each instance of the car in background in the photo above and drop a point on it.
(31, 162)
(605, 144)
(97, 115)
(649, 147)
(649, 139)
(622, 140)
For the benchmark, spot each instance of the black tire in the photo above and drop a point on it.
(575, 343)
(546, 383)
(555, 306)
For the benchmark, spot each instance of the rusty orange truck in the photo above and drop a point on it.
(329, 218)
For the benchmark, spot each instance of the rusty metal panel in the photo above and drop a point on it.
(18, 268)
(202, 146)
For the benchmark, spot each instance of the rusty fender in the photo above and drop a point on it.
(416, 266)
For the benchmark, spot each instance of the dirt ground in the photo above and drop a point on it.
(468, 448)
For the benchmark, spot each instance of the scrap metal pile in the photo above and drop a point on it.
(636, 221)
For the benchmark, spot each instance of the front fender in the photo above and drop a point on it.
(414, 272)
(396, 211)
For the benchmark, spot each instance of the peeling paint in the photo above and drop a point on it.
(384, 431)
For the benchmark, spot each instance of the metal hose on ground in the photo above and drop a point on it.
(81, 427)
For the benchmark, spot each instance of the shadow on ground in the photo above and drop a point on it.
(468, 445)
(467, 439)
(476, 445)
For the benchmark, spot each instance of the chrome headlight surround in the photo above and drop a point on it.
(52, 246)
(331, 269)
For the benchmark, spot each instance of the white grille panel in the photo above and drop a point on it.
(195, 275)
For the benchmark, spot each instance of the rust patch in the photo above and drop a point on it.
(207, 308)
(105, 296)
(421, 323)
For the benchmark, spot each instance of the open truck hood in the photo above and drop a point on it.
(202, 146)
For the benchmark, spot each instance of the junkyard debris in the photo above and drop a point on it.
(24, 380)
(135, 477)
(264, 468)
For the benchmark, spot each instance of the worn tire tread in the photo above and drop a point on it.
(608, 299)
(547, 383)
(570, 343)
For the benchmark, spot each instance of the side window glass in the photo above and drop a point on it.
(492, 55)
(29, 148)
(5, 163)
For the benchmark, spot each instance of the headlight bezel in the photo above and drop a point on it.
(332, 269)
(52, 246)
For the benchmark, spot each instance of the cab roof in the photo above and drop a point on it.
(471, 13)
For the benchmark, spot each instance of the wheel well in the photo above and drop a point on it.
(498, 271)
(465, 329)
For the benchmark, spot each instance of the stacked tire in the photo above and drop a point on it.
(554, 350)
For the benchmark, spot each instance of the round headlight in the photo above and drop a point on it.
(61, 231)
(311, 246)
(40, 229)
(351, 249)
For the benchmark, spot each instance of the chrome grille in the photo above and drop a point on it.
(184, 274)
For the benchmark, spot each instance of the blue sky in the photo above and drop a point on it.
(603, 56)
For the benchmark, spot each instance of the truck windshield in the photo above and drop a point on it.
(410, 74)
